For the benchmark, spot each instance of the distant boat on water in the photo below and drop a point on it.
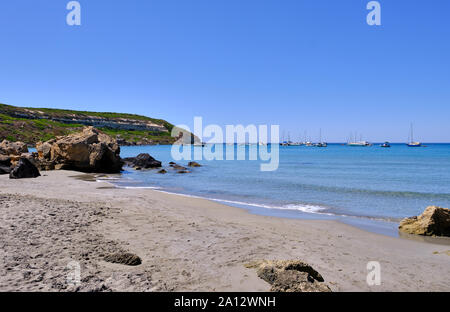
(359, 143)
(385, 144)
(353, 141)
(321, 143)
(411, 142)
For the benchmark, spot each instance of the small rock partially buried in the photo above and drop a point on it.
(289, 276)
(194, 164)
(124, 258)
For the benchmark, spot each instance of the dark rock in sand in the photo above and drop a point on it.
(144, 161)
(24, 169)
(434, 221)
(183, 171)
(5, 170)
(194, 164)
(290, 276)
(5, 164)
(124, 258)
(162, 171)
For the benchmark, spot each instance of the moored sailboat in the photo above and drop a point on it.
(411, 142)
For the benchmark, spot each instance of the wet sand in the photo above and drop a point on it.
(186, 244)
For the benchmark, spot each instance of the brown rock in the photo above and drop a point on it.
(194, 164)
(124, 258)
(44, 149)
(434, 221)
(177, 167)
(13, 148)
(289, 276)
(89, 151)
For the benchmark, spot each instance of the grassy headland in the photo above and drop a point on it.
(32, 125)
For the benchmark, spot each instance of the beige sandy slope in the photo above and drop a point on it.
(186, 244)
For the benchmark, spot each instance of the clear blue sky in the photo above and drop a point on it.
(302, 64)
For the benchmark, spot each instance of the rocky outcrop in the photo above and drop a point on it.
(24, 169)
(194, 164)
(13, 148)
(434, 221)
(142, 161)
(88, 151)
(124, 258)
(289, 276)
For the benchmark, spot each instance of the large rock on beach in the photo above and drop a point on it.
(143, 161)
(24, 169)
(434, 221)
(88, 151)
(289, 276)
(13, 148)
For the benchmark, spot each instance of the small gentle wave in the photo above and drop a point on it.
(348, 190)
(298, 207)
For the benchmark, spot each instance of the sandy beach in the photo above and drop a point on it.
(186, 244)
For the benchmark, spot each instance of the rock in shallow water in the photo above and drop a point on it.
(24, 169)
(434, 221)
(143, 161)
(289, 276)
(124, 258)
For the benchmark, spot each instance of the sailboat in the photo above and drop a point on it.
(321, 143)
(353, 142)
(411, 142)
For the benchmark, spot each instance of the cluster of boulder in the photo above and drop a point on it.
(87, 151)
(289, 276)
(16, 161)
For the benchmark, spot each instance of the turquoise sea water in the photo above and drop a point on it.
(369, 186)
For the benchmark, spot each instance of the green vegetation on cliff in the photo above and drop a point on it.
(32, 125)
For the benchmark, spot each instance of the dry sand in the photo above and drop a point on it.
(186, 244)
